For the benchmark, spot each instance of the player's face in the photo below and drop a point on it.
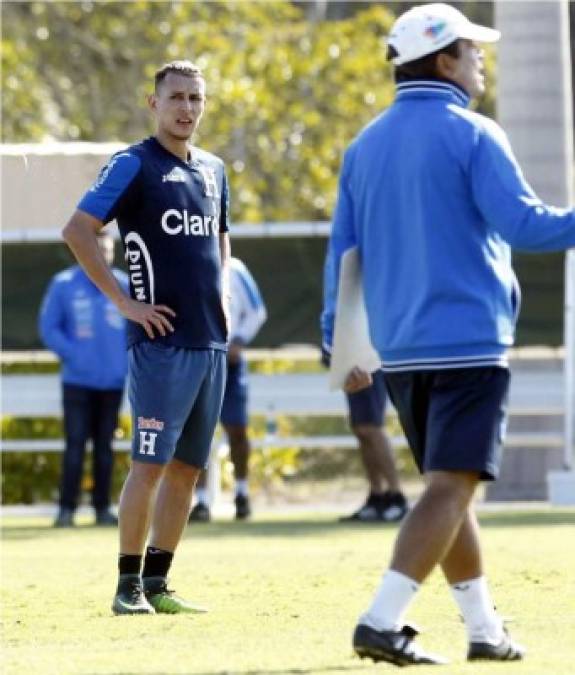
(468, 70)
(178, 105)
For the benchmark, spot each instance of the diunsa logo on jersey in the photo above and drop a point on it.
(140, 267)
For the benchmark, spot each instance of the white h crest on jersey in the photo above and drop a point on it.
(147, 442)
(210, 182)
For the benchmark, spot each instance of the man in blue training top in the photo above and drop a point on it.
(248, 314)
(170, 200)
(87, 332)
(433, 198)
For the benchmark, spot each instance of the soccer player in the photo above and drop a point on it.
(87, 332)
(248, 314)
(366, 416)
(170, 200)
(433, 198)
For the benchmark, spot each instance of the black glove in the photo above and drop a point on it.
(325, 357)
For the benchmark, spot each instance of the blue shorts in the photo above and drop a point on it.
(235, 406)
(454, 420)
(176, 396)
(368, 405)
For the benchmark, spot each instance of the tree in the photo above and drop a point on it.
(286, 94)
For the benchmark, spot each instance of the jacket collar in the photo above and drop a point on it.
(434, 89)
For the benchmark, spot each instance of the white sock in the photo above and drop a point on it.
(202, 495)
(391, 600)
(474, 601)
(242, 488)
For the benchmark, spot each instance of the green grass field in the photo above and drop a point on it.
(283, 592)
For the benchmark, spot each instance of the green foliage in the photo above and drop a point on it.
(29, 367)
(32, 477)
(285, 94)
(29, 477)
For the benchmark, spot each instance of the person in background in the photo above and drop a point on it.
(434, 199)
(366, 418)
(248, 314)
(385, 502)
(88, 334)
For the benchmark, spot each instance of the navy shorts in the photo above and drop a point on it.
(368, 405)
(454, 420)
(176, 396)
(235, 406)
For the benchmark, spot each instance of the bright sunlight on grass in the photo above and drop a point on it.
(283, 593)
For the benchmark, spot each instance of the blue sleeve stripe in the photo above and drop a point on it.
(113, 181)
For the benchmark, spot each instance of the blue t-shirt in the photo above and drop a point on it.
(170, 214)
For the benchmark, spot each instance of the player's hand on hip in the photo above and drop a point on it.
(356, 380)
(151, 317)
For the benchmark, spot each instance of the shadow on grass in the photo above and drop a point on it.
(293, 527)
(213, 530)
(527, 518)
(18, 529)
(268, 671)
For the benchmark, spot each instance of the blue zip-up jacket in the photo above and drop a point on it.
(85, 329)
(433, 198)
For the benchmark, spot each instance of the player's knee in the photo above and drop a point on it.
(181, 475)
(456, 487)
(367, 433)
(145, 474)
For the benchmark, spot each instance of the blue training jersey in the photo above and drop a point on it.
(170, 214)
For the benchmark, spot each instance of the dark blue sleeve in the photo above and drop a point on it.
(225, 206)
(114, 182)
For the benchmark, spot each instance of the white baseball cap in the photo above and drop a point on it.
(426, 29)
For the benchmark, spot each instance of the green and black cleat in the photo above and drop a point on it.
(165, 601)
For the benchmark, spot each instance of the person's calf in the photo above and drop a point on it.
(430, 528)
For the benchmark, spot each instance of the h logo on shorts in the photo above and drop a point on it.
(147, 442)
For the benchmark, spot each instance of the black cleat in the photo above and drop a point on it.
(106, 518)
(393, 507)
(392, 646)
(65, 518)
(243, 508)
(506, 650)
(200, 514)
(389, 507)
(130, 597)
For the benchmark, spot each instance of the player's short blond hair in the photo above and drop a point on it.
(186, 68)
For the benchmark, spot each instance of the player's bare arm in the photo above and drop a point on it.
(80, 235)
(225, 254)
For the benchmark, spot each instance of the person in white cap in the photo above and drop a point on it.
(433, 198)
